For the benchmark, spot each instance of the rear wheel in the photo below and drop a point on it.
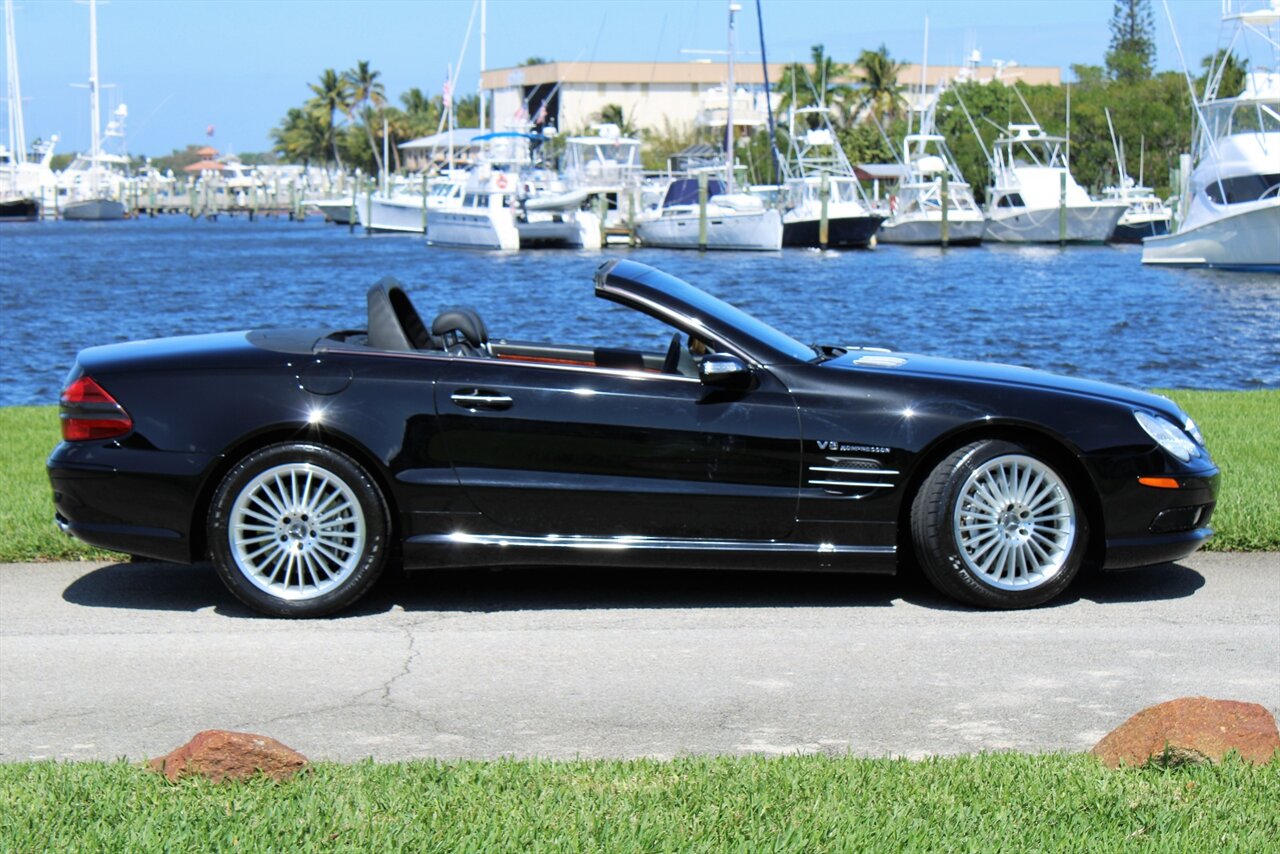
(298, 530)
(996, 525)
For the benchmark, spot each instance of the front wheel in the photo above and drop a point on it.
(298, 530)
(995, 525)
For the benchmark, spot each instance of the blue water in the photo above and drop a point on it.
(1088, 311)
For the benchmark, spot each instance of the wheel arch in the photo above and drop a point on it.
(1056, 450)
(301, 433)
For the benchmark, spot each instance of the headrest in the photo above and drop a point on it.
(464, 321)
(394, 324)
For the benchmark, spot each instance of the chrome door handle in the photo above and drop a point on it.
(475, 398)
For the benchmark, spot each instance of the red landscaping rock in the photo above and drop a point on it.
(1192, 729)
(222, 755)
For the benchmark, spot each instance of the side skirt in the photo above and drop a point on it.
(464, 550)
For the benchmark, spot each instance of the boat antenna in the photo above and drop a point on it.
(1142, 156)
(1114, 146)
(972, 125)
(1186, 74)
(483, 35)
(730, 153)
(1068, 127)
(1025, 105)
(768, 92)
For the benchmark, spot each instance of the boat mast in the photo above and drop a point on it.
(17, 133)
(768, 95)
(94, 118)
(729, 152)
(483, 35)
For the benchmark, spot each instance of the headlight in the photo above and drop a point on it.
(1167, 436)
(1194, 432)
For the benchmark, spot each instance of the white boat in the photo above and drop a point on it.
(92, 184)
(1035, 199)
(1229, 210)
(916, 210)
(406, 211)
(607, 164)
(816, 165)
(335, 210)
(508, 203)
(738, 221)
(1145, 214)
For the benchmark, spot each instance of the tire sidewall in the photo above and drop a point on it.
(372, 505)
(941, 555)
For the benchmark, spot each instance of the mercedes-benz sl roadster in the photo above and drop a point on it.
(302, 461)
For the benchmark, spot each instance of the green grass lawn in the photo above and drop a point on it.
(1240, 427)
(992, 802)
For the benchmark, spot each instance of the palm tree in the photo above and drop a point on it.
(613, 114)
(821, 87)
(368, 97)
(421, 112)
(331, 96)
(880, 86)
(302, 137)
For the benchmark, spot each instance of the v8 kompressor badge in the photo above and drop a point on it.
(842, 447)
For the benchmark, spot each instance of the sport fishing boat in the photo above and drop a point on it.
(1229, 210)
(1034, 198)
(817, 159)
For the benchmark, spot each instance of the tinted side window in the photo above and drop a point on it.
(1247, 188)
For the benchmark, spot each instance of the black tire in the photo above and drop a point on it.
(985, 541)
(298, 530)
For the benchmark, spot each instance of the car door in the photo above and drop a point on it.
(555, 449)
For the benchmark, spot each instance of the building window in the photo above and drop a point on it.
(644, 88)
(693, 88)
(600, 88)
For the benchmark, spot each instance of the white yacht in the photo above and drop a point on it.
(1035, 199)
(916, 210)
(1229, 210)
(607, 164)
(817, 159)
(508, 203)
(406, 210)
(733, 220)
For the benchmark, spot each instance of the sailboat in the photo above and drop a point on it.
(22, 182)
(1229, 211)
(96, 202)
(728, 219)
(1147, 215)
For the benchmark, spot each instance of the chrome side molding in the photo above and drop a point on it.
(626, 542)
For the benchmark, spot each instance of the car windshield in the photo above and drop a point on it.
(709, 306)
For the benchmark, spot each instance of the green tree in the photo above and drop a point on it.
(880, 87)
(332, 96)
(536, 60)
(367, 98)
(1132, 54)
(303, 137)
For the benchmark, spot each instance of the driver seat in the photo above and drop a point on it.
(461, 332)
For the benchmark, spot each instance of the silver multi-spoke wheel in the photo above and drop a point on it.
(296, 531)
(1014, 522)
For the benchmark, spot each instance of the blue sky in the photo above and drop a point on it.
(182, 65)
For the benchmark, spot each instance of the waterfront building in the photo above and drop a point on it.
(654, 95)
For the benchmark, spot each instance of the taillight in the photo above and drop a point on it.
(89, 412)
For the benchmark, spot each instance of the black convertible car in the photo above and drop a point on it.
(303, 460)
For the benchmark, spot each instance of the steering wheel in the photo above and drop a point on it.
(672, 361)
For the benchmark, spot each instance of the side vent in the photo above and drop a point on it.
(851, 477)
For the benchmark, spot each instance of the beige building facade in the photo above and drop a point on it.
(653, 96)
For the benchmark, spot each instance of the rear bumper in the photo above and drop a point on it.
(139, 502)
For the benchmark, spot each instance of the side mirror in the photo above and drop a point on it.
(724, 370)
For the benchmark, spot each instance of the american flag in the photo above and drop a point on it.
(448, 93)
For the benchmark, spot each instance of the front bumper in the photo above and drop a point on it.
(1147, 525)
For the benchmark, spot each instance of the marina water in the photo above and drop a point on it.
(1091, 311)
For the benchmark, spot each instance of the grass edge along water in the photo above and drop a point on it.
(1239, 427)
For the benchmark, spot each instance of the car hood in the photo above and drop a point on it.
(935, 367)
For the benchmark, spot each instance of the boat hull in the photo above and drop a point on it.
(337, 211)
(927, 231)
(19, 210)
(1085, 224)
(759, 232)
(487, 228)
(94, 209)
(391, 214)
(846, 231)
(1243, 241)
(1135, 232)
